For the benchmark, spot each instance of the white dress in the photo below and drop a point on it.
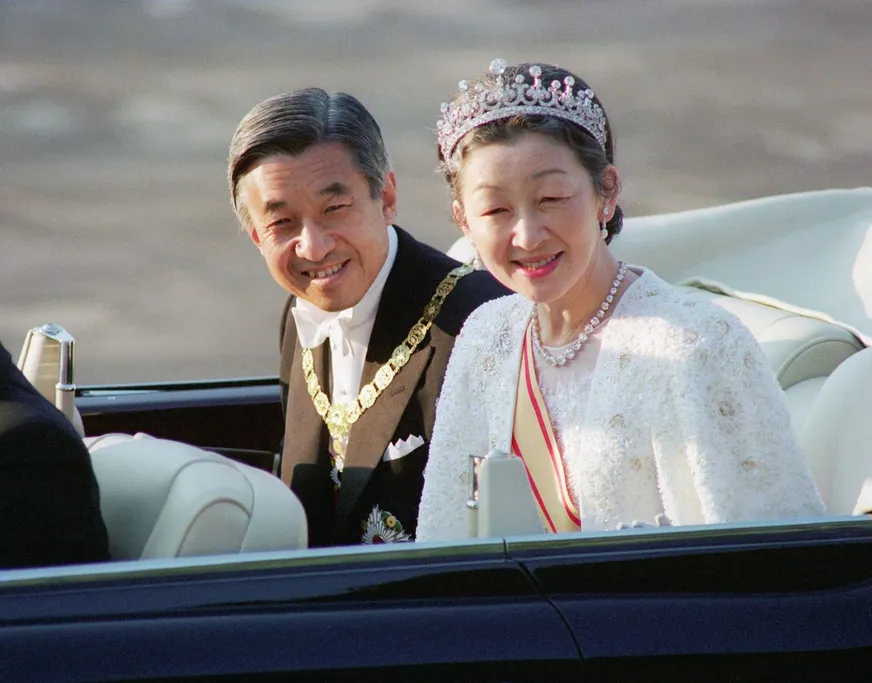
(566, 390)
(681, 415)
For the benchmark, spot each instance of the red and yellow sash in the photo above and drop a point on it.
(533, 440)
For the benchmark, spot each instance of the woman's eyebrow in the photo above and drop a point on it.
(549, 171)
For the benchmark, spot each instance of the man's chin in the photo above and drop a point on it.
(332, 302)
(331, 305)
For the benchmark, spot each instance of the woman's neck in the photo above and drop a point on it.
(563, 320)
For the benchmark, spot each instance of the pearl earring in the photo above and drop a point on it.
(476, 260)
(604, 233)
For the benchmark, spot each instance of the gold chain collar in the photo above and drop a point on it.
(340, 416)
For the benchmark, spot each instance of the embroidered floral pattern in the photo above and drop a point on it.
(382, 527)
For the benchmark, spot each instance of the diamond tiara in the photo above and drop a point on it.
(478, 104)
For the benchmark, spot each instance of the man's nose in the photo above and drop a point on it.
(314, 244)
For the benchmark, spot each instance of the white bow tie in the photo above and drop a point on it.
(314, 327)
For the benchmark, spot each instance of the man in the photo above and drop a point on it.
(49, 502)
(371, 320)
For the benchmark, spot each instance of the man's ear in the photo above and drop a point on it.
(252, 233)
(460, 217)
(245, 219)
(389, 197)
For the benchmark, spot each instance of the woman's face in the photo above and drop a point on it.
(531, 211)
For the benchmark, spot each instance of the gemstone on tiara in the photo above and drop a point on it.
(478, 105)
(498, 67)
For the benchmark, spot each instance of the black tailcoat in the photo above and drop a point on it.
(407, 407)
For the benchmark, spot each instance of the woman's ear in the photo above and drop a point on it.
(611, 188)
(460, 217)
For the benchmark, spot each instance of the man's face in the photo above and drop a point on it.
(315, 222)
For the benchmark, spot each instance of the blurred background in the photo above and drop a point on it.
(115, 117)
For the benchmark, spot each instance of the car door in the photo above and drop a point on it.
(423, 613)
(715, 602)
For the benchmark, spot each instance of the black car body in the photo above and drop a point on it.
(746, 602)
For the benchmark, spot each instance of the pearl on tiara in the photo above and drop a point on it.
(478, 105)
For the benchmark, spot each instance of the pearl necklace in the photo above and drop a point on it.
(573, 350)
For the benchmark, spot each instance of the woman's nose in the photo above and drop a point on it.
(530, 230)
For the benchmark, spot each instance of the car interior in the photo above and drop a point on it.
(795, 269)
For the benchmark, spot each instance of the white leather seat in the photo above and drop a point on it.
(164, 498)
(812, 250)
(836, 435)
(461, 250)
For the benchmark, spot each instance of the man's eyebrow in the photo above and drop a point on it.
(274, 205)
(335, 189)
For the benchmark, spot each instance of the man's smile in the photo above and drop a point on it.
(325, 272)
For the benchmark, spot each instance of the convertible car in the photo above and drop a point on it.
(212, 579)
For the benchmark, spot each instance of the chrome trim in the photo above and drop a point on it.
(112, 400)
(473, 467)
(630, 539)
(315, 558)
(183, 385)
(25, 347)
(67, 350)
(65, 387)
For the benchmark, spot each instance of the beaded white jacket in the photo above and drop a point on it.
(683, 417)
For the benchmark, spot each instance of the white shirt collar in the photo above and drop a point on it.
(314, 325)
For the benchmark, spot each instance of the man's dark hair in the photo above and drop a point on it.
(294, 122)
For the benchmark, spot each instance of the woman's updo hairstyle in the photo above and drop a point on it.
(584, 145)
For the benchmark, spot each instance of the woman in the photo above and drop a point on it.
(625, 400)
